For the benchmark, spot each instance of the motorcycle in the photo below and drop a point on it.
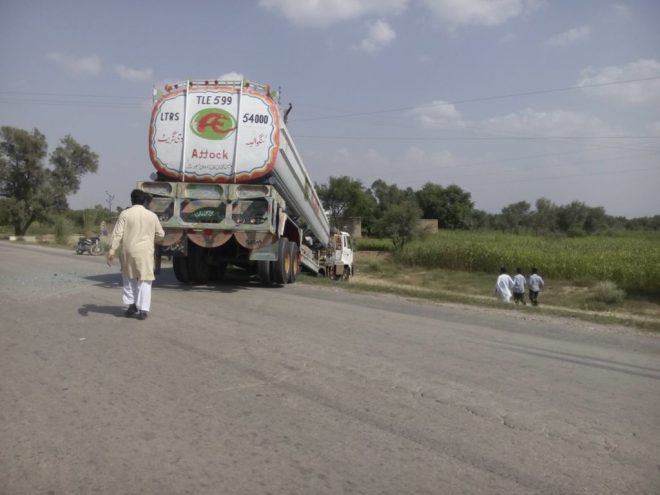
(91, 245)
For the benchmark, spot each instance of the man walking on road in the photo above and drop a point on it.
(136, 231)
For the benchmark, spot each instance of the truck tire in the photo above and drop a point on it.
(263, 270)
(197, 266)
(180, 265)
(218, 271)
(295, 263)
(279, 270)
(347, 273)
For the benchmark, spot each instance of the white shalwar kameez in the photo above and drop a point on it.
(503, 288)
(135, 231)
(136, 292)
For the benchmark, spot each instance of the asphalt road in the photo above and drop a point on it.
(240, 389)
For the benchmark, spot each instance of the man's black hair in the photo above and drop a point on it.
(139, 197)
(503, 270)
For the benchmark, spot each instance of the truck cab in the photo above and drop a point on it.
(343, 255)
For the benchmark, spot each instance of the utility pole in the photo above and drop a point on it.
(110, 198)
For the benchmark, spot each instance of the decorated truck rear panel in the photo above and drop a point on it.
(231, 187)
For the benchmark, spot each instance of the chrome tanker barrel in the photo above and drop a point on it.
(231, 132)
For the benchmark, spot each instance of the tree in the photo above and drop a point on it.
(31, 191)
(450, 205)
(399, 222)
(571, 217)
(516, 215)
(389, 194)
(545, 217)
(480, 219)
(596, 219)
(344, 198)
(396, 214)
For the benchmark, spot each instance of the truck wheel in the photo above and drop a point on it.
(347, 273)
(280, 269)
(197, 266)
(263, 270)
(218, 271)
(295, 263)
(180, 265)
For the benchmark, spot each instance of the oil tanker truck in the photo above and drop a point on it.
(230, 188)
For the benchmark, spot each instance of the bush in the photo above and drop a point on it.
(369, 244)
(373, 267)
(62, 228)
(607, 292)
(39, 228)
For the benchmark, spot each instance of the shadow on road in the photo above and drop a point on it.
(108, 280)
(85, 309)
(234, 281)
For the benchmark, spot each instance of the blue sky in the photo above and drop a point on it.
(510, 99)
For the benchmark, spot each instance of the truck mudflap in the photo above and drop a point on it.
(254, 240)
(265, 253)
(171, 237)
(209, 238)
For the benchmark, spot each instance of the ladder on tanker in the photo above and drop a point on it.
(308, 260)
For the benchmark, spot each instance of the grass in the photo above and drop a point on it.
(632, 262)
(589, 300)
(369, 244)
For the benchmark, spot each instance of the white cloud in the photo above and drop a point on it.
(653, 128)
(136, 75)
(622, 10)
(438, 113)
(421, 158)
(634, 93)
(509, 38)
(534, 123)
(569, 37)
(525, 123)
(453, 12)
(374, 157)
(231, 76)
(342, 155)
(326, 12)
(83, 66)
(379, 35)
(479, 12)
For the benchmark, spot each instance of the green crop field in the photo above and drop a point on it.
(631, 261)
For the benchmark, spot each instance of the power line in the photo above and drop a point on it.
(484, 98)
(469, 138)
(88, 104)
(72, 95)
(567, 176)
(327, 117)
(531, 159)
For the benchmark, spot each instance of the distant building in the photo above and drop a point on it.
(353, 226)
(428, 226)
